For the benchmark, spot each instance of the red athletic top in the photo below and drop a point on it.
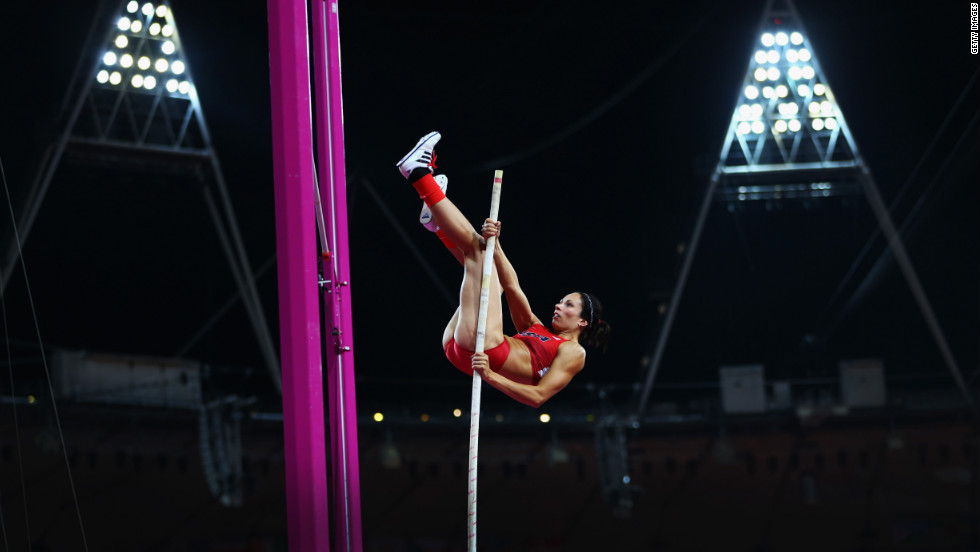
(543, 346)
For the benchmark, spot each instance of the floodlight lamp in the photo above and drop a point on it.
(772, 56)
(792, 56)
(759, 74)
(756, 110)
(782, 91)
(545, 418)
(115, 78)
(794, 125)
(457, 413)
(796, 38)
(167, 30)
(148, 9)
(751, 92)
(744, 127)
(830, 124)
(758, 127)
(773, 73)
(143, 63)
(768, 92)
(826, 107)
(782, 38)
(794, 73)
(102, 77)
(378, 416)
(760, 56)
(121, 41)
(780, 126)
(161, 65)
(126, 61)
(804, 54)
(818, 124)
(184, 88)
(172, 85)
(803, 90)
(819, 89)
(132, 6)
(814, 108)
(137, 26)
(137, 81)
(792, 108)
(768, 39)
(123, 24)
(745, 111)
(177, 67)
(154, 28)
(109, 58)
(161, 11)
(150, 82)
(168, 47)
(782, 109)
(808, 72)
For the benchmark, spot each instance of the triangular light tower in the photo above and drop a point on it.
(788, 139)
(142, 92)
(135, 107)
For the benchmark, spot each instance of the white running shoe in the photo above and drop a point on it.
(422, 155)
(426, 216)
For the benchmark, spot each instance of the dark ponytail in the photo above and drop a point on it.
(596, 334)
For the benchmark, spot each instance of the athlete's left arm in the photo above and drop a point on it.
(569, 361)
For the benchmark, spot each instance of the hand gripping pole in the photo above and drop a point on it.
(481, 331)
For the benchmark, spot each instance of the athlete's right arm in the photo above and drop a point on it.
(517, 303)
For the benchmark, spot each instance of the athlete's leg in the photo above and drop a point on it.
(469, 306)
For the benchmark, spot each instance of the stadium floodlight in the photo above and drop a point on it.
(154, 28)
(760, 74)
(780, 126)
(756, 110)
(177, 67)
(148, 9)
(109, 58)
(807, 72)
(781, 38)
(751, 92)
(123, 23)
(792, 56)
(758, 127)
(167, 30)
(132, 6)
(121, 41)
(161, 65)
(817, 124)
(794, 125)
(149, 82)
(126, 61)
(772, 56)
(804, 55)
(115, 78)
(143, 63)
(167, 47)
(136, 27)
(773, 74)
(794, 73)
(782, 91)
(826, 107)
(161, 11)
(172, 86)
(744, 127)
(102, 77)
(768, 92)
(819, 89)
(796, 38)
(830, 124)
(803, 90)
(768, 39)
(760, 56)
(184, 87)
(745, 111)
(137, 80)
(814, 108)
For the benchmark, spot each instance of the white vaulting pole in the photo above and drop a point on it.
(481, 335)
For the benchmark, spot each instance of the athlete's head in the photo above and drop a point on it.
(582, 311)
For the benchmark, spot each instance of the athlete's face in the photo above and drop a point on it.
(568, 313)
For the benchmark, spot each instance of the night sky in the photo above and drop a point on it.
(607, 121)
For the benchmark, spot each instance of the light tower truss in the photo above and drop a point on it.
(133, 106)
(788, 139)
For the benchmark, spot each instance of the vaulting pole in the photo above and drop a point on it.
(299, 310)
(481, 335)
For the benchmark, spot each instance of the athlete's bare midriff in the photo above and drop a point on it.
(517, 367)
